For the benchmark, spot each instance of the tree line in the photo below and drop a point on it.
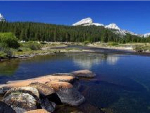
(30, 31)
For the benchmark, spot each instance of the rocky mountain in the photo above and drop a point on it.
(88, 22)
(112, 26)
(1, 17)
(146, 35)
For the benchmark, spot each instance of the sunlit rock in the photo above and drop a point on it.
(56, 77)
(84, 73)
(38, 111)
(59, 85)
(26, 98)
(42, 88)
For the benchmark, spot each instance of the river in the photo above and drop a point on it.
(122, 84)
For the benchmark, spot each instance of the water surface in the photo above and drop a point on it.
(122, 84)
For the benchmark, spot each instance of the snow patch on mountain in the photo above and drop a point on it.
(112, 26)
(88, 22)
(1, 17)
(146, 35)
(98, 24)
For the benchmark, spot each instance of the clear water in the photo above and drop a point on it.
(122, 84)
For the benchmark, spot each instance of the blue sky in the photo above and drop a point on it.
(133, 16)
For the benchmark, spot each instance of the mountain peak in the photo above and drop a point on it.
(1, 17)
(112, 26)
(87, 22)
(146, 35)
(84, 22)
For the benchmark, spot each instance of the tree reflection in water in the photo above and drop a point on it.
(8, 68)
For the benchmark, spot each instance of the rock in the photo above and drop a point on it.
(70, 96)
(48, 105)
(56, 85)
(38, 111)
(3, 89)
(19, 110)
(84, 73)
(30, 90)
(88, 108)
(68, 109)
(47, 92)
(42, 88)
(76, 84)
(26, 98)
(43, 79)
(62, 77)
(67, 93)
(4, 108)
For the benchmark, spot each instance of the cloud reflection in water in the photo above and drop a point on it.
(86, 61)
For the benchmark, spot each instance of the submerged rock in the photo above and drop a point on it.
(84, 73)
(4, 108)
(67, 93)
(26, 98)
(42, 88)
(70, 96)
(68, 109)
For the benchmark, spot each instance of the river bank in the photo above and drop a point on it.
(58, 47)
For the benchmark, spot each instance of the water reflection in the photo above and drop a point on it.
(87, 61)
(8, 68)
(112, 59)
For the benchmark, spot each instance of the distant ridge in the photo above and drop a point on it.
(88, 22)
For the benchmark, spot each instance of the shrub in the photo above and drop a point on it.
(86, 42)
(9, 40)
(35, 46)
(139, 48)
(32, 45)
(112, 43)
(2, 54)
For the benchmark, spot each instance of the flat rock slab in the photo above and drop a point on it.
(56, 85)
(43, 79)
(84, 73)
(38, 111)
